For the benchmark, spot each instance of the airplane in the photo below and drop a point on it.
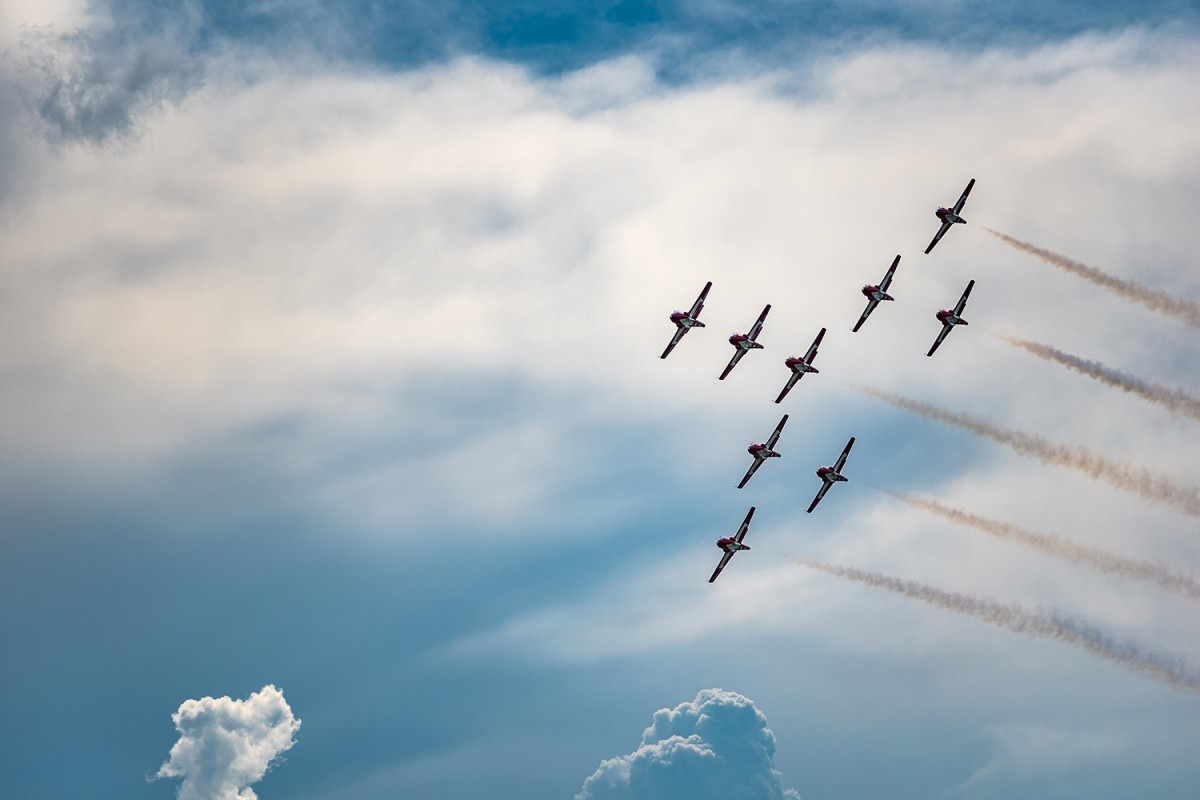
(949, 216)
(799, 366)
(876, 293)
(685, 321)
(744, 342)
(763, 450)
(951, 318)
(731, 544)
(831, 475)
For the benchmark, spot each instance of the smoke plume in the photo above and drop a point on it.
(1176, 400)
(1149, 484)
(1075, 552)
(1162, 302)
(1166, 668)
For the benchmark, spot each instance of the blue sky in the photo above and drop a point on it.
(328, 361)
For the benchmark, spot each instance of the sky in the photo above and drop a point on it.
(338, 459)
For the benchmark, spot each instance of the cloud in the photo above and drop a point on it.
(1039, 752)
(226, 745)
(88, 76)
(716, 746)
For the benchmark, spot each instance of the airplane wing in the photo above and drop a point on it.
(962, 301)
(791, 382)
(841, 462)
(758, 462)
(724, 560)
(679, 332)
(946, 328)
(699, 304)
(745, 526)
(812, 348)
(866, 313)
(824, 488)
(775, 433)
(963, 200)
(937, 237)
(737, 356)
(754, 331)
(887, 279)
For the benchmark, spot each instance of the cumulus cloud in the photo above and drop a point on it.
(227, 745)
(717, 746)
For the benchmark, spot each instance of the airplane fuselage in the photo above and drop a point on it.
(948, 215)
(731, 545)
(829, 475)
(797, 364)
(744, 342)
(950, 318)
(682, 320)
(760, 450)
(873, 292)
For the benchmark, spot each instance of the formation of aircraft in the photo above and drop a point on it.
(763, 450)
(745, 342)
(731, 544)
(876, 293)
(799, 366)
(831, 475)
(951, 318)
(950, 216)
(686, 320)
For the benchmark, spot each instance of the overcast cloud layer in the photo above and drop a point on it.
(351, 365)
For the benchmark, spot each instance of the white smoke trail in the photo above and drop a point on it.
(1172, 670)
(1176, 400)
(1075, 552)
(1169, 304)
(1149, 484)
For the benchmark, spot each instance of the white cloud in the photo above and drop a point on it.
(1041, 752)
(226, 745)
(293, 243)
(716, 747)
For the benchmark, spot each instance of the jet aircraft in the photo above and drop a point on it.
(876, 293)
(686, 320)
(949, 216)
(731, 544)
(831, 475)
(951, 318)
(799, 366)
(763, 450)
(745, 342)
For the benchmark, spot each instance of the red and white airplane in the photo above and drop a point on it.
(763, 450)
(745, 342)
(686, 320)
(831, 475)
(799, 366)
(951, 318)
(876, 293)
(731, 544)
(949, 216)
